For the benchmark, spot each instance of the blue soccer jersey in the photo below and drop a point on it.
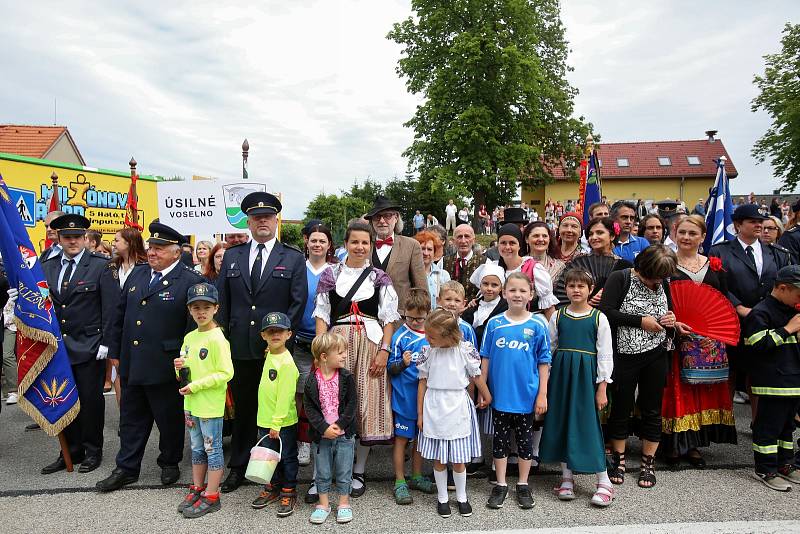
(404, 385)
(467, 332)
(515, 349)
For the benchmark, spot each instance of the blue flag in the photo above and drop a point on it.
(593, 189)
(719, 210)
(46, 386)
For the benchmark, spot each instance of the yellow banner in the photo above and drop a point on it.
(97, 194)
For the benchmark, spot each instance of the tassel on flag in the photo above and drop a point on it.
(52, 205)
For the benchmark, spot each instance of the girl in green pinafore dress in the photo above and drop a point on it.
(581, 369)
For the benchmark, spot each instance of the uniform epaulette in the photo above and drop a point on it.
(292, 247)
(794, 229)
(237, 245)
(778, 247)
(191, 270)
(98, 255)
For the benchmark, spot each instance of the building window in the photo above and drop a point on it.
(693, 160)
(664, 161)
(623, 162)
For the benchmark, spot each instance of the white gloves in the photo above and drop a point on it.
(102, 353)
(13, 293)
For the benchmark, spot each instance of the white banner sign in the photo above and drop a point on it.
(205, 206)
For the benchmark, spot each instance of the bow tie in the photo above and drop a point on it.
(388, 241)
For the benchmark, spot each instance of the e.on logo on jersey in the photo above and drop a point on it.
(513, 344)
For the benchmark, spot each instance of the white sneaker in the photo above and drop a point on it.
(303, 453)
(12, 398)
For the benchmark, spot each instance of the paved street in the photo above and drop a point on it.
(724, 493)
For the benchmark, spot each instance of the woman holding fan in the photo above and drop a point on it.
(695, 415)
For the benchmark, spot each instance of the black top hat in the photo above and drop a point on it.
(70, 224)
(515, 215)
(381, 204)
(747, 211)
(161, 234)
(261, 203)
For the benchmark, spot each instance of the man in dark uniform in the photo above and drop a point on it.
(146, 336)
(257, 277)
(668, 210)
(74, 280)
(750, 268)
(791, 237)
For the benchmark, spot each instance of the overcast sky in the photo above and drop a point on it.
(312, 85)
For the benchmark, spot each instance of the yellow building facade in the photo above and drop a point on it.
(98, 194)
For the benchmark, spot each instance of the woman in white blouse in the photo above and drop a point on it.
(359, 302)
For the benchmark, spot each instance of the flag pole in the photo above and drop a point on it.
(62, 440)
(245, 151)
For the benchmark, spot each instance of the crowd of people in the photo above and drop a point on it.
(554, 345)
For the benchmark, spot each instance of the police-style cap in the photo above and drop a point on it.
(161, 234)
(789, 275)
(202, 291)
(747, 211)
(261, 203)
(70, 224)
(667, 208)
(276, 320)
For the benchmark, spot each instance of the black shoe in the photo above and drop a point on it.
(170, 475)
(117, 479)
(288, 500)
(474, 469)
(497, 498)
(32, 426)
(451, 484)
(464, 508)
(201, 507)
(55, 467)
(90, 464)
(234, 480)
(524, 497)
(492, 477)
(311, 498)
(443, 509)
(360, 491)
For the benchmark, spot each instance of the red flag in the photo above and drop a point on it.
(52, 205)
(582, 187)
(131, 211)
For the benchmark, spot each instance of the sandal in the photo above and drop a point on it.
(565, 493)
(617, 471)
(604, 496)
(647, 472)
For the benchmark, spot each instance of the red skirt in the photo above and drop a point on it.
(695, 415)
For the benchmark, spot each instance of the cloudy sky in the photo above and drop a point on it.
(312, 86)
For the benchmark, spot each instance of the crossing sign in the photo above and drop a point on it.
(25, 201)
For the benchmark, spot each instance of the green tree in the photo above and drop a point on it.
(498, 110)
(780, 97)
(291, 234)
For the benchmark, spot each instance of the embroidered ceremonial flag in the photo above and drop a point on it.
(46, 385)
(591, 190)
(719, 210)
(131, 206)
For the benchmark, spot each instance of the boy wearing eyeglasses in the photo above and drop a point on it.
(407, 342)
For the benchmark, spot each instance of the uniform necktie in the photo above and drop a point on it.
(156, 277)
(67, 275)
(255, 272)
(750, 256)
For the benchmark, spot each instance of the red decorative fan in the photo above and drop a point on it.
(705, 310)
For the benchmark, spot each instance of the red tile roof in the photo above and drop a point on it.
(32, 141)
(643, 159)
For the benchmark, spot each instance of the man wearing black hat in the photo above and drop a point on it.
(146, 336)
(398, 256)
(668, 210)
(74, 280)
(750, 268)
(516, 216)
(791, 237)
(257, 277)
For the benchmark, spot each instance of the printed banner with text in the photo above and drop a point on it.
(205, 206)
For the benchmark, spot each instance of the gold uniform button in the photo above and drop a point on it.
(135, 343)
(138, 323)
(63, 321)
(63, 305)
(65, 335)
(252, 323)
(252, 307)
(144, 302)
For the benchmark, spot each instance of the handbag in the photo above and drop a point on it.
(703, 360)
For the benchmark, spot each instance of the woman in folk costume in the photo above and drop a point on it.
(359, 302)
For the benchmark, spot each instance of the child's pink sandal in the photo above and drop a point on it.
(604, 496)
(564, 492)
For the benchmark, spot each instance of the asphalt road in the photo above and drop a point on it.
(722, 498)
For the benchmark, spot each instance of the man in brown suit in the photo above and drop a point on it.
(400, 257)
(464, 262)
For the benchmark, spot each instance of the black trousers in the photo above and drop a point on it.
(772, 432)
(648, 371)
(140, 407)
(85, 434)
(244, 388)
